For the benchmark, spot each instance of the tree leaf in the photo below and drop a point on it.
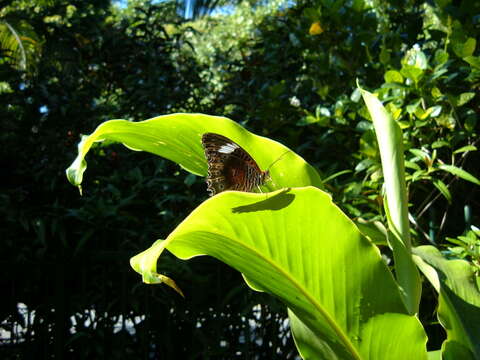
(440, 185)
(441, 57)
(298, 246)
(464, 49)
(440, 143)
(464, 98)
(393, 76)
(460, 173)
(465, 148)
(421, 154)
(474, 61)
(316, 28)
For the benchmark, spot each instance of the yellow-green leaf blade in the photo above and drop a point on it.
(177, 137)
(297, 245)
(459, 301)
(390, 144)
(454, 170)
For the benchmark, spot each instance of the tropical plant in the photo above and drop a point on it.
(283, 71)
(295, 244)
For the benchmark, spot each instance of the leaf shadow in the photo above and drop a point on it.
(276, 202)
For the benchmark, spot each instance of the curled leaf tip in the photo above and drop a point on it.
(155, 278)
(167, 281)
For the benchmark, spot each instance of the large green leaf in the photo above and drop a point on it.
(298, 246)
(177, 137)
(294, 244)
(459, 301)
(390, 144)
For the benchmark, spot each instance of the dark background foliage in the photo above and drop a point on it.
(68, 288)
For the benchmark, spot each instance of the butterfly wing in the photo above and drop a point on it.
(229, 166)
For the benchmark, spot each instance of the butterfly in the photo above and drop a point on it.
(230, 167)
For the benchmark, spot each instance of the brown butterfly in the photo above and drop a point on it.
(229, 166)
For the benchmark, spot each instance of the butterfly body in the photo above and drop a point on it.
(230, 167)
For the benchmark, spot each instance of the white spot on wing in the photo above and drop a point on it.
(227, 149)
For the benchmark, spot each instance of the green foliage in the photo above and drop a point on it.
(294, 244)
(389, 137)
(17, 43)
(276, 241)
(468, 247)
(177, 137)
(303, 92)
(285, 71)
(229, 227)
(459, 301)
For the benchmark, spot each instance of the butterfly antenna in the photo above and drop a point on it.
(279, 158)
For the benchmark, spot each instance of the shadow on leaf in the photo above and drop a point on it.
(276, 202)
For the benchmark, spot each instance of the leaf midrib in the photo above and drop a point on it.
(297, 285)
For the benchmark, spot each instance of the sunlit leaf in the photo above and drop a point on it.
(465, 149)
(459, 301)
(393, 76)
(390, 144)
(440, 185)
(177, 137)
(465, 98)
(474, 61)
(454, 170)
(316, 28)
(464, 49)
(297, 245)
